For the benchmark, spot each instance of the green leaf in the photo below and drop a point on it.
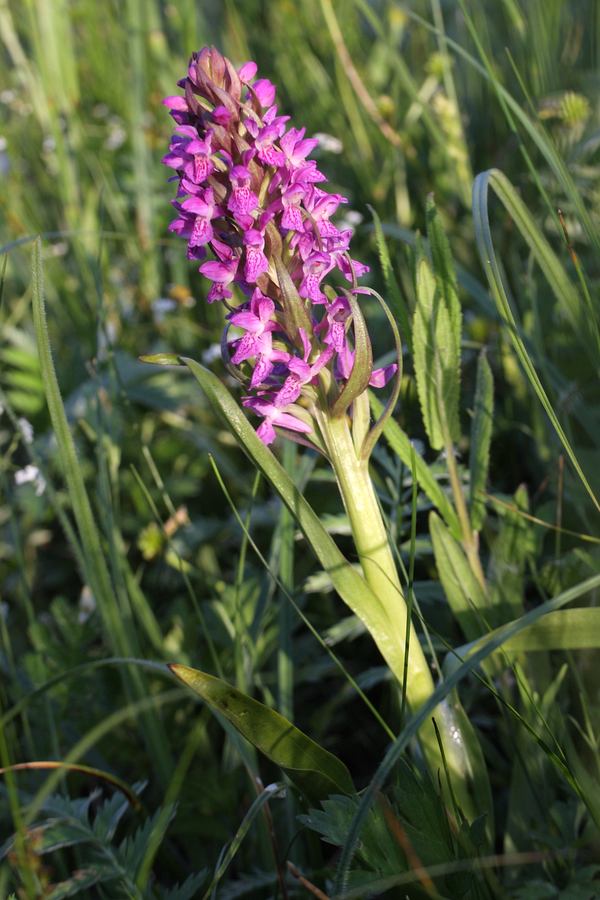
(436, 339)
(161, 359)
(511, 549)
(393, 292)
(96, 572)
(563, 629)
(390, 405)
(314, 770)
(363, 361)
(294, 308)
(80, 880)
(463, 592)
(481, 437)
(400, 444)
(445, 275)
(349, 583)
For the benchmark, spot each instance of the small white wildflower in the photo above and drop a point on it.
(49, 144)
(160, 307)
(419, 446)
(329, 143)
(31, 474)
(60, 248)
(350, 219)
(87, 604)
(7, 96)
(116, 136)
(26, 430)
(3, 143)
(211, 354)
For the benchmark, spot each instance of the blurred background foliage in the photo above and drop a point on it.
(408, 98)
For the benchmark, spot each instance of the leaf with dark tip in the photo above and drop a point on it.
(161, 359)
(315, 771)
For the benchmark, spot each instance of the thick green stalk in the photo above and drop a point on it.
(379, 568)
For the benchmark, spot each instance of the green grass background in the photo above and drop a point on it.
(133, 551)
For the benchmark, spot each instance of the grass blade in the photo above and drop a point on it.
(494, 178)
(481, 438)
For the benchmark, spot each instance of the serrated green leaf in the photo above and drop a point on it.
(21, 358)
(187, 890)
(400, 444)
(378, 850)
(440, 322)
(481, 437)
(81, 880)
(316, 772)
(436, 359)
(130, 853)
(463, 592)
(393, 292)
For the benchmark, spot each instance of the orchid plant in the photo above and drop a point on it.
(254, 211)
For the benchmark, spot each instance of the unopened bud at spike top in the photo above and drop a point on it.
(248, 201)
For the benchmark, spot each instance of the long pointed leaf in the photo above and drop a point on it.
(317, 772)
(436, 354)
(463, 592)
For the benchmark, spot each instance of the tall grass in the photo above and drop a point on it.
(132, 555)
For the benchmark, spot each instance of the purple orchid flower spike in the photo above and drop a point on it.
(250, 209)
(256, 262)
(253, 206)
(257, 342)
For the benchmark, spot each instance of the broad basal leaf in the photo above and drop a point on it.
(314, 770)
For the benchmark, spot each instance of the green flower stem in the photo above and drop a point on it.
(379, 569)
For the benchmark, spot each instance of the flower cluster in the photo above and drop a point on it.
(251, 209)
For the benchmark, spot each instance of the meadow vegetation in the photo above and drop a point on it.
(135, 532)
